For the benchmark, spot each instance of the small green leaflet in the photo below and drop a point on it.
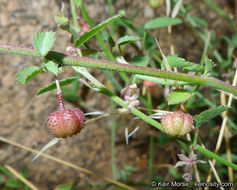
(178, 96)
(209, 64)
(62, 21)
(24, 75)
(51, 66)
(140, 60)
(127, 39)
(175, 61)
(162, 22)
(207, 115)
(87, 35)
(43, 42)
(52, 86)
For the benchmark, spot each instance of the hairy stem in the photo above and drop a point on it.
(60, 96)
(65, 60)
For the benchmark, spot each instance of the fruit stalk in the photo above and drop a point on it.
(60, 96)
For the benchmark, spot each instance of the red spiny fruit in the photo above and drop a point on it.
(66, 122)
(177, 123)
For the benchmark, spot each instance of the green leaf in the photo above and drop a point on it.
(52, 67)
(24, 75)
(111, 41)
(127, 39)
(175, 61)
(43, 42)
(65, 187)
(6, 172)
(162, 22)
(207, 115)
(209, 64)
(178, 96)
(52, 86)
(62, 22)
(88, 34)
(12, 184)
(140, 60)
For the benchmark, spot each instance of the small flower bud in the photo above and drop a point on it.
(177, 123)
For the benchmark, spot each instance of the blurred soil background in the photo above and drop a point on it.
(23, 114)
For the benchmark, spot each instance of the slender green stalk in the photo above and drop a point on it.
(111, 13)
(112, 142)
(74, 15)
(103, 45)
(215, 156)
(151, 157)
(65, 60)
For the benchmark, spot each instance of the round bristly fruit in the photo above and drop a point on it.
(67, 122)
(177, 123)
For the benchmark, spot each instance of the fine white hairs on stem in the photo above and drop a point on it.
(48, 145)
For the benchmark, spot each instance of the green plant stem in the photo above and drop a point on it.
(74, 15)
(112, 142)
(103, 45)
(215, 156)
(111, 13)
(151, 157)
(101, 64)
(65, 60)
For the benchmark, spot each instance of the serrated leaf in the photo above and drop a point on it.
(52, 86)
(62, 21)
(175, 61)
(140, 60)
(162, 22)
(178, 96)
(127, 39)
(88, 34)
(207, 115)
(24, 75)
(209, 64)
(51, 66)
(43, 42)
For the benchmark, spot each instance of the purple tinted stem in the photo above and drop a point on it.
(60, 96)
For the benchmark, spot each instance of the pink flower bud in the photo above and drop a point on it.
(177, 123)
